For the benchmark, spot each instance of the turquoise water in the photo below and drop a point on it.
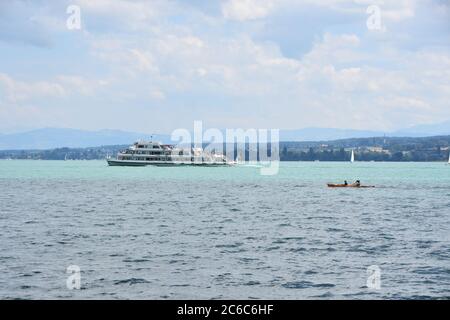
(385, 173)
(166, 233)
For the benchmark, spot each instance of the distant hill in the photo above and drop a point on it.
(49, 138)
(366, 149)
(426, 130)
(403, 143)
(325, 134)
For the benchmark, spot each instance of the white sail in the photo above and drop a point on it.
(239, 158)
(353, 157)
(449, 158)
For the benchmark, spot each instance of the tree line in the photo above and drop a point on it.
(366, 149)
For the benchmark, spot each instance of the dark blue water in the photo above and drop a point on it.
(216, 233)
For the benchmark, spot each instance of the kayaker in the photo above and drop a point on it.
(358, 183)
(345, 183)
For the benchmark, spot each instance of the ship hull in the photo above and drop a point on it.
(131, 163)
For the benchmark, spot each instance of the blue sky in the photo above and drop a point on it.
(153, 66)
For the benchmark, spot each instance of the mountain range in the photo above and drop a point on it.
(48, 138)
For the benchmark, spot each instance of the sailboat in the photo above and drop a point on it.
(352, 159)
(239, 158)
(448, 159)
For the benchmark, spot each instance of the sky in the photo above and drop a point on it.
(154, 66)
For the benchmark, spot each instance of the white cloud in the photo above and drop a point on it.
(16, 91)
(75, 84)
(186, 64)
(19, 91)
(408, 103)
(242, 10)
(131, 12)
(247, 9)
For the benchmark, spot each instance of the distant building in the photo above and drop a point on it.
(376, 149)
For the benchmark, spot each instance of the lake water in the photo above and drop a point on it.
(201, 233)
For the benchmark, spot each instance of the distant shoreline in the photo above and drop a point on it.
(286, 161)
(376, 149)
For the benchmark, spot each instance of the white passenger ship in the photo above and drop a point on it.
(146, 153)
